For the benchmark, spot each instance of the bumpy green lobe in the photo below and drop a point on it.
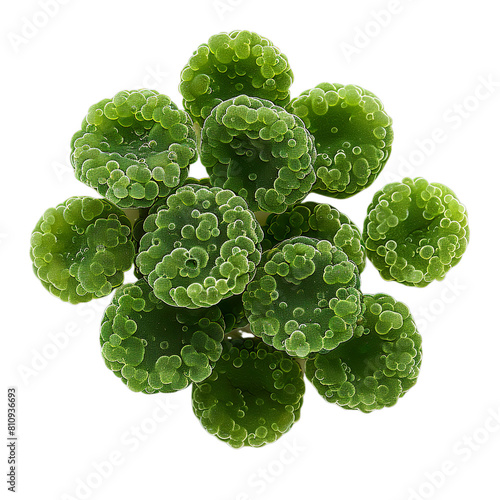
(81, 248)
(260, 151)
(233, 312)
(233, 64)
(372, 371)
(154, 347)
(134, 148)
(320, 221)
(202, 248)
(415, 232)
(253, 396)
(353, 136)
(305, 297)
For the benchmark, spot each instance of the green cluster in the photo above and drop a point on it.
(233, 64)
(353, 136)
(202, 247)
(154, 347)
(253, 396)
(260, 151)
(305, 297)
(415, 232)
(134, 148)
(373, 370)
(320, 221)
(81, 248)
(244, 288)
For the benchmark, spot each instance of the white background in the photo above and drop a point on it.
(435, 65)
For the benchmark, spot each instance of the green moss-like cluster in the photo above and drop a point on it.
(154, 347)
(415, 232)
(376, 369)
(353, 136)
(134, 148)
(320, 221)
(253, 396)
(305, 297)
(243, 285)
(260, 151)
(81, 248)
(201, 248)
(232, 64)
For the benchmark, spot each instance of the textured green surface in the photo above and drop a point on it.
(320, 221)
(415, 232)
(81, 248)
(154, 347)
(253, 396)
(353, 136)
(134, 147)
(202, 248)
(260, 151)
(305, 297)
(372, 371)
(229, 65)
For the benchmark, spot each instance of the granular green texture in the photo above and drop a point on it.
(305, 297)
(260, 151)
(81, 248)
(134, 148)
(233, 312)
(353, 136)
(253, 396)
(415, 232)
(202, 248)
(372, 371)
(320, 221)
(229, 65)
(154, 347)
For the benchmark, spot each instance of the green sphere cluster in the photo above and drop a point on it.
(259, 151)
(253, 396)
(154, 347)
(415, 232)
(305, 297)
(202, 247)
(374, 370)
(353, 136)
(233, 64)
(243, 287)
(81, 248)
(134, 148)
